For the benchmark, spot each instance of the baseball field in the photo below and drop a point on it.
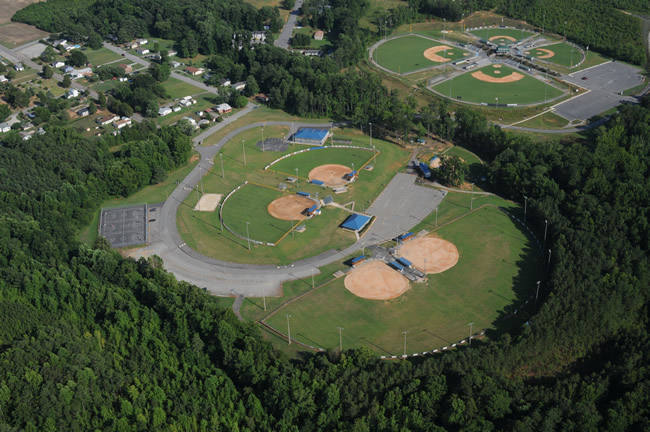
(488, 83)
(497, 268)
(412, 52)
(561, 54)
(502, 36)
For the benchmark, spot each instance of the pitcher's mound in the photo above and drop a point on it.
(376, 281)
(289, 207)
(208, 202)
(331, 175)
(440, 254)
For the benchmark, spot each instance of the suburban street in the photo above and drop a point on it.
(283, 40)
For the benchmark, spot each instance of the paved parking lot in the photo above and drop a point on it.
(400, 207)
(124, 226)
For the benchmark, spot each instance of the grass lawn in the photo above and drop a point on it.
(406, 54)
(202, 230)
(635, 90)
(527, 90)
(498, 265)
(177, 88)
(105, 85)
(563, 54)
(307, 161)
(323, 44)
(547, 120)
(101, 56)
(150, 195)
(493, 34)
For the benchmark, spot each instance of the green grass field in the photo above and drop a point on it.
(202, 230)
(177, 88)
(405, 54)
(492, 33)
(307, 161)
(467, 88)
(497, 270)
(547, 120)
(564, 54)
(101, 56)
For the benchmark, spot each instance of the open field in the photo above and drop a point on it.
(406, 54)
(547, 120)
(307, 161)
(561, 54)
(202, 231)
(177, 88)
(502, 36)
(101, 56)
(498, 265)
(471, 87)
(12, 33)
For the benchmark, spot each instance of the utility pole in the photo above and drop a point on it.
(312, 278)
(223, 173)
(296, 175)
(525, 205)
(370, 134)
(264, 296)
(471, 202)
(545, 230)
(244, 150)
(198, 200)
(262, 137)
(471, 327)
(248, 237)
(536, 295)
(340, 338)
(289, 329)
(404, 333)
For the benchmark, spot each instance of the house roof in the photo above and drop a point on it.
(355, 222)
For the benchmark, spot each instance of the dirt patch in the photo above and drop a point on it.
(515, 76)
(331, 175)
(440, 254)
(194, 158)
(541, 51)
(435, 163)
(497, 72)
(208, 202)
(376, 281)
(466, 54)
(19, 33)
(510, 38)
(496, 66)
(432, 53)
(289, 207)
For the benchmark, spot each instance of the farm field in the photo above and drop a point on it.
(511, 87)
(406, 54)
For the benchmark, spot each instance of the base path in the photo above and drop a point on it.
(376, 281)
(440, 255)
(432, 53)
(331, 175)
(289, 207)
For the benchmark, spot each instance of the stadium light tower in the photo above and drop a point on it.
(370, 134)
(248, 237)
(471, 201)
(262, 137)
(525, 205)
(264, 296)
(223, 173)
(405, 333)
(536, 295)
(244, 150)
(288, 329)
(471, 328)
(340, 338)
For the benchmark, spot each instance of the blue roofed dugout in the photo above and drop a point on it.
(355, 222)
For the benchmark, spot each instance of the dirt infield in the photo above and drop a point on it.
(331, 175)
(376, 281)
(510, 38)
(440, 254)
(496, 66)
(432, 53)
(289, 207)
(548, 54)
(208, 202)
(497, 72)
(515, 76)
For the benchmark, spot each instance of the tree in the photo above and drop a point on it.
(48, 55)
(251, 86)
(301, 40)
(77, 58)
(452, 170)
(4, 112)
(66, 81)
(47, 72)
(288, 4)
(101, 98)
(95, 41)
(92, 107)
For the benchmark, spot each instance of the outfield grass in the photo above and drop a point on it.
(518, 34)
(307, 161)
(565, 55)
(101, 56)
(545, 121)
(202, 230)
(498, 265)
(406, 54)
(525, 91)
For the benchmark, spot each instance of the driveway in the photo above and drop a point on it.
(283, 40)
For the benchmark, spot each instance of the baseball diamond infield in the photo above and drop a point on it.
(289, 207)
(376, 281)
(432, 53)
(561, 54)
(331, 174)
(440, 255)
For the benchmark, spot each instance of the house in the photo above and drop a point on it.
(40, 131)
(239, 85)
(3, 79)
(224, 82)
(85, 71)
(122, 79)
(202, 122)
(143, 51)
(123, 122)
(68, 69)
(125, 67)
(58, 64)
(131, 45)
(19, 67)
(163, 111)
(318, 35)
(262, 98)
(171, 52)
(58, 42)
(174, 64)
(190, 120)
(258, 37)
(107, 120)
(28, 126)
(26, 135)
(83, 112)
(194, 71)
(75, 75)
(312, 53)
(4, 127)
(111, 37)
(141, 41)
(72, 93)
(223, 108)
(176, 108)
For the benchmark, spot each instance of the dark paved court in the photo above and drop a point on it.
(124, 226)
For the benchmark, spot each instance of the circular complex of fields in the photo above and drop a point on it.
(289, 207)
(331, 174)
(376, 281)
(431, 254)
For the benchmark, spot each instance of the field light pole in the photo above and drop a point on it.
(312, 278)
(244, 150)
(405, 333)
(340, 338)
(288, 329)
(264, 296)
(223, 173)
(444, 29)
(436, 217)
(471, 328)
(525, 206)
(262, 137)
(248, 237)
(536, 295)
(296, 174)
(545, 230)
(370, 134)
(425, 266)
(471, 201)
(198, 200)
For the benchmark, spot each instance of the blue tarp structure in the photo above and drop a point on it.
(311, 134)
(404, 262)
(317, 182)
(355, 222)
(396, 266)
(358, 259)
(305, 194)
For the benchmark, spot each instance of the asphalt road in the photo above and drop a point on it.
(283, 40)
